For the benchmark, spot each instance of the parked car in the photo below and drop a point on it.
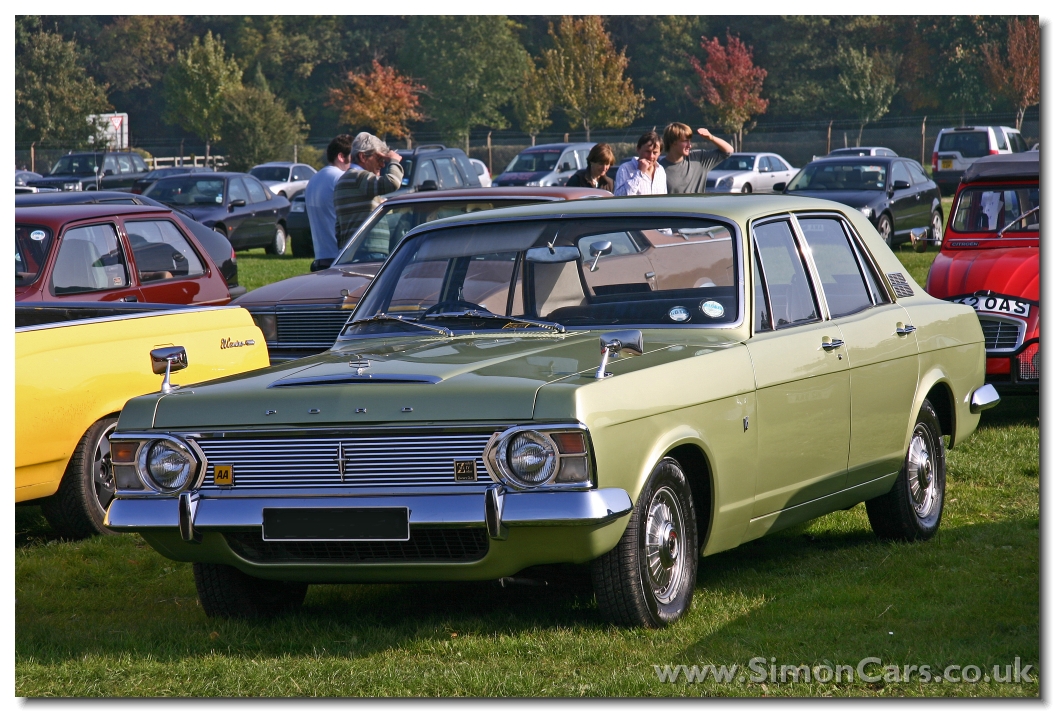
(863, 151)
(94, 171)
(303, 315)
(23, 177)
(468, 425)
(299, 227)
(545, 164)
(990, 261)
(111, 253)
(482, 171)
(218, 247)
(284, 178)
(955, 149)
(234, 204)
(76, 364)
(144, 183)
(895, 194)
(436, 167)
(749, 173)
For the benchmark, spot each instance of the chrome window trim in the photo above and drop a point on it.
(810, 267)
(811, 276)
(764, 288)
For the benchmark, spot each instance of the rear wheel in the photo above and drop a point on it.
(649, 577)
(936, 228)
(278, 244)
(78, 509)
(226, 592)
(885, 229)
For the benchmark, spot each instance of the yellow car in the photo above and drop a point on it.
(72, 379)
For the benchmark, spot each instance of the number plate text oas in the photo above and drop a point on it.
(996, 305)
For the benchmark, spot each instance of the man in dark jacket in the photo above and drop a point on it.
(594, 175)
(374, 171)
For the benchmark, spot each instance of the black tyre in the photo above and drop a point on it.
(649, 577)
(937, 228)
(226, 592)
(911, 511)
(279, 243)
(885, 229)
(77, 510)
(747, 189)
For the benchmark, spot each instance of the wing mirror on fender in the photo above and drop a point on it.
(166, 360)
(779, 187)
(613, 343)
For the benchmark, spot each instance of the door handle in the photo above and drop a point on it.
(832, 344)
(130, 299)
(905, 329)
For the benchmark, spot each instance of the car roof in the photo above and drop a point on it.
(551, 192)
(560, 146)
(75, 197)
(858, 159)
(204, 175)
(57, 215)
(276, 163)
(1006, 165)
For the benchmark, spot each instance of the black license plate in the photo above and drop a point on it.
(337, 524)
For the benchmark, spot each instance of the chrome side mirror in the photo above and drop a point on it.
(596, 250)
(166, 360)
(919, 241)
(614, 342)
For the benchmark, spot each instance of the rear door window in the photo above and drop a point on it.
(139, 164)
(917, 175)
(448, 175)
(1000, 139)
(840, 276)
(90, 259)
(256, 190)
(161, 251)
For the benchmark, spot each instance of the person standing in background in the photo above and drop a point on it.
(374, 171)
(318, 198)
(642, 175)
(594, 175)
(686, 169)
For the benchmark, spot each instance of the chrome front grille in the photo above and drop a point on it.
(1002, 334)
(414, 460)
(310, 328)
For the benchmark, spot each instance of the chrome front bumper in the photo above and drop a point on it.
(497, 509)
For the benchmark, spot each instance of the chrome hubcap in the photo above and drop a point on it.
(102, 470)
(662, 546)
(922, 482)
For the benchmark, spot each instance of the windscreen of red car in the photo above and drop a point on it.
(991, 208)
(32, 244)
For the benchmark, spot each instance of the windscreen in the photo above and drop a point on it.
(275, 173)
(534, 162)
(188, 190)
(834, 175)
(577, 273)
(990, 209)
(736, 162)
(76, 164)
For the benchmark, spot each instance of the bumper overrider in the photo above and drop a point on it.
(536, 503)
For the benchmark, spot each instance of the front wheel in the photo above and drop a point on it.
(885, 229)
(278, 245)
(747, 189)
(936, 229)
(78, 509)
(911, 511)
(649, 577)
(226, 592)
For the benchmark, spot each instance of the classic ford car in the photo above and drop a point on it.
(629, 383)
(990, 261)
(75, 366)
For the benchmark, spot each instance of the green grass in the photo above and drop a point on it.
(110, 617)
(256, 268)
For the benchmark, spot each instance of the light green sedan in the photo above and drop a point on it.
(627, 384)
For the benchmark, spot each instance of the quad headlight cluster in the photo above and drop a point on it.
(167, 465)
(549, 457)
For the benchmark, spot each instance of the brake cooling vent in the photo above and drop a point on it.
(900, 285)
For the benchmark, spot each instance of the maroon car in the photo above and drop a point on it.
(100, 252)
(303, 315)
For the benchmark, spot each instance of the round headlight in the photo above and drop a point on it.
(168, 466)
(531, 458)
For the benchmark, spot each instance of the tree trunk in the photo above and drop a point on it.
(207, 147)
(585, 125)
(860, 135)
(1020, 116)
(534, 137)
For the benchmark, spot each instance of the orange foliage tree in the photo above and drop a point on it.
(381, 99)
(729, 84)
(1017, 76)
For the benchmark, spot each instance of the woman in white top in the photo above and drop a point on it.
(643, 175)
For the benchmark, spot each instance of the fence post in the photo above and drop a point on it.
(829, 135)
(180, 153)
(922, 158)
(565, 138)
(490, 155)
(33, 156)
(295, 154)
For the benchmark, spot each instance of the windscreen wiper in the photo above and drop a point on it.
(477, 314)
(1016, 220)
(390, 317)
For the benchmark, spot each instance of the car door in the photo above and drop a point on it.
(264, 211)
(880, 345)
(802, 378)
(91, 264)
(767, 176)
(783, 170)
(169, 270)
(903, 201)
(928, 194)
(242, 230)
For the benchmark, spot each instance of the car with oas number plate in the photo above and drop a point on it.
(625, 384)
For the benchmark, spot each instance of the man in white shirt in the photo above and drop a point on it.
(643, 175)
(318, 198)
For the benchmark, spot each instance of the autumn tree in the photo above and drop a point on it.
(1017, 76)
(472, 66)
(53, 94)
(197, 86)
(381, 99)
(533, 104)
(586, 76)
(729, 84)
(257, 127)
(868, 83)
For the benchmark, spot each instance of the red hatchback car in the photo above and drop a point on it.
(106, 253)
(990, 261)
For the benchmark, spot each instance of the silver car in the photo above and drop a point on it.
(283, 177)
(545, 164)
(749, 173)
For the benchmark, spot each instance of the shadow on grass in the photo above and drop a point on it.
(31, 529)
(1012, 410)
